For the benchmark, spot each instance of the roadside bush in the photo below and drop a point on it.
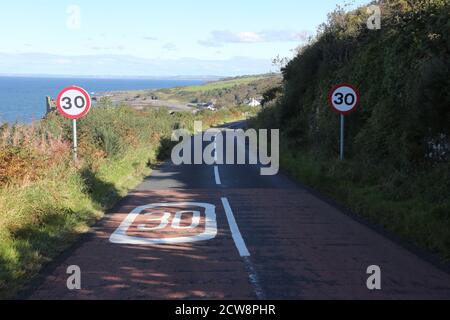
(397, 170)
(46, 200)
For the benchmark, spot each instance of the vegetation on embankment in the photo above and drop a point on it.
(46, 201)
(223, 93)
(397, 171)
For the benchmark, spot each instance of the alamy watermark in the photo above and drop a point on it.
(374, 280)
(73, 21)
(74, 279)
(374, 20)
(229, 147)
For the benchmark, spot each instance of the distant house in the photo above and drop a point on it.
(211, 106)
(254, 103)
(208, 106)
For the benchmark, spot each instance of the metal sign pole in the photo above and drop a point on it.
(344, 99)
(75, 141)
(74, 103)
(342, 136)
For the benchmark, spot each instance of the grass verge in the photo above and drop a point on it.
(409, 205)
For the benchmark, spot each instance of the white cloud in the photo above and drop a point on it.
(170, 46)
(286, 36)
(244, 37)
(63, 61)
(219, 38)
(106, 48)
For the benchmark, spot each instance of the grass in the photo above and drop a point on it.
(46, 216)
(413, 206)
(46, 201)
(224, 93)
(41, 220)
(216, 85)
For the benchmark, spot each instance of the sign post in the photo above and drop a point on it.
(74, 103)
(342, 137)
(75, 140)
(344, 99)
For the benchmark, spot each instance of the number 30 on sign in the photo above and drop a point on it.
(73, 102)
(344, 99)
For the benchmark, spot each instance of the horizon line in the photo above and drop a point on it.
(155, 77)
(162, 77)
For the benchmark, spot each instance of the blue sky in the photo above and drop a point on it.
(137, 37)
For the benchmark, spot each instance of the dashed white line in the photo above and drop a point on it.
(254, 279)
(215, 149)
(216, 168)
(217, 175)
(237, 236)
(243, 251)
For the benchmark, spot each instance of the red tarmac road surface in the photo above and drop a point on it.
(299, 246)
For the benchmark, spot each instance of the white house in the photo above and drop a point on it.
(254, 103)
(210, 106)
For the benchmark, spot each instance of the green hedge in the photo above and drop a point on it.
(403, 74)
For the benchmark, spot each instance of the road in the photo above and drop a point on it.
(226, 232)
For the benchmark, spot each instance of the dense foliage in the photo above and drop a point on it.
(398, 149)
(402, 71)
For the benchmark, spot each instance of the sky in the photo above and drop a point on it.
(154, 38)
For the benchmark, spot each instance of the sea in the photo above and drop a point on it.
(22, 99)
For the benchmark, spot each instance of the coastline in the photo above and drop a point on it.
(24, 98)
(141, 99)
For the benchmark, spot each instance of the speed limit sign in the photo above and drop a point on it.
(73, 102)
(344, 99)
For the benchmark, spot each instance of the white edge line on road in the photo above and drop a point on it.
(237, 236)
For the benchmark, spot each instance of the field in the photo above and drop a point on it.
(223, 93)
(219, 85)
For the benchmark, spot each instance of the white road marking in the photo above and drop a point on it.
(120, 236)
(237, 236)
(215, 149)
(254, 279)
(216, 168)
(217, 175)
(243, 251)
(196, 219)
